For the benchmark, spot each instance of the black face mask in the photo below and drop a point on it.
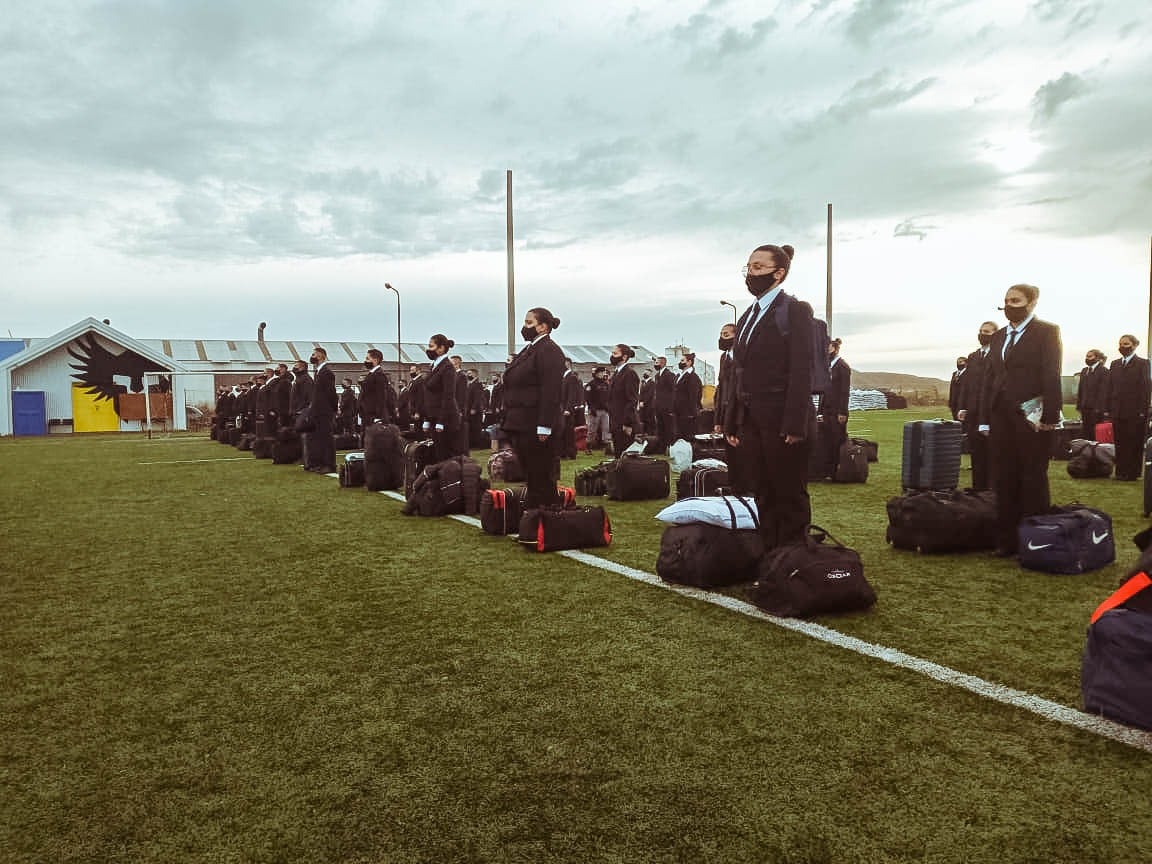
(529, 333)
(725, 344)
(984, 338)
(1125, 352)
(432, 355)
(471, 378)
(960, 366)
(368, 364)
(313, 359)
(615, 361)
(413, 375)
(1088, 361)
(759, 285)
(682, 365)
(1015, 314)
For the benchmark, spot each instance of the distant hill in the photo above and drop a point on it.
(928, 391)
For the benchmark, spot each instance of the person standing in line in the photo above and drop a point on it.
(623, 398)
(832, 411)
(724, 401)
(686, 398)
(775, 420)
(348, 408)
(1023, 373)
(968, 406)
(1092, 392)
(322, 412)
(573, 402)
(1129, 390)
(374, 391)
(645, 411)
(477, 407)
(461, 443)
(596, 398)
(441, 412)
(664, 403)
(955, 386)
(533, 403)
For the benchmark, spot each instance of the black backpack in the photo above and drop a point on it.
(812, 577)
(852, 464)
(818, 369)
(451, 486)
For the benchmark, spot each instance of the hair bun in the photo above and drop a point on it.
(788, 250)
(554, 323)
(451, 343)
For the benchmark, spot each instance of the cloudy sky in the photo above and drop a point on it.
(188, 168)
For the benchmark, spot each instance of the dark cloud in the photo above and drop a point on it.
(866, 96)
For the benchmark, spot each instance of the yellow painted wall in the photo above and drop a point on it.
(90, 414)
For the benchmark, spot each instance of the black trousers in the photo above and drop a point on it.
(832, 436)
(978, 454)
(738, 479)
(568, 436)
(1019, 456)
(620, 441)
(321, 445)
(777, 473)
(1090, 418)
(541, 463)
(1129, 434)
(665, 428)
(686, 427)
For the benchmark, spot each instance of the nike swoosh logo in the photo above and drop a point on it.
(1032, 546)
(1096, 539)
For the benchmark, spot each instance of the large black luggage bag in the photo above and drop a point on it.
(553, 529)
(851, 463)
(956, 521)
(1070, 539)
(417, 455)
(288, 449)
(637, 478)
(710, 556)
(931, 455)
(352, 469)
(811, 578)
(262, 448)
(1063, 437)
(1147, 478)
(501, 509)
(448, 487)
(700, 482)
(346, 441)
(1114, 672)
(383, 457)
(591, 481)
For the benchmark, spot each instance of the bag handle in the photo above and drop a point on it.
(1123, 594)
(751, 511)
(817, 535)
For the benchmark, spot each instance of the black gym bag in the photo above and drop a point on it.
(710, 556)
(1114, 673)
(552, 529)
(637, 478)
(811, 578)
(930, 522)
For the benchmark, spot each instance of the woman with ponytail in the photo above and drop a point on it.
(442, 416)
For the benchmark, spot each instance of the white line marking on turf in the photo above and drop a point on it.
(190, 461)
(1045, 708)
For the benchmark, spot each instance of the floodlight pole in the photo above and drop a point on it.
(828, 288)
(399, 361)
(733, 305)
(511, 270)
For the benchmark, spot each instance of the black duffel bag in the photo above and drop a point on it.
(955, 521)
(710, 556)
(1114, 679)
(813, 577)
(637, 478)
(551, 529)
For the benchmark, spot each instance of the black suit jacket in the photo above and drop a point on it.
(1031, 369)
(374, 398)
(688, 393)
(834, 400)
(573, 392)
(477, 398)
(773, 369)
(725, 395)
(534, 388)
(664, 396)
(438, 396)
(955, 389)
(1092, 391)
(1129, 389)
(971, 387)
(623, 395)
(324, 400)
(300, 396)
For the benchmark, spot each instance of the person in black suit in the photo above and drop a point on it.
(724, 403)
(832, 412)
(573, 402)
(409, 404)
(646, 413)
(322, 413)
(1092, 392)
(374, 391)
(596, 401)
(533, 406)
(1024, 361)
(282, 396)
(663, 404)
(461, 445)
(956, 385)
(968, 406)
(477, 407)
(774, 420)
(686, 398)
(1129, 389)
(440, 410)
(623, 399)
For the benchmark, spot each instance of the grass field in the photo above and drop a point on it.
(231, 661)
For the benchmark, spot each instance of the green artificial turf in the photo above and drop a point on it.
(236, 661)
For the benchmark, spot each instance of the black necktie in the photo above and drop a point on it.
(751, 324)
(1011, 342)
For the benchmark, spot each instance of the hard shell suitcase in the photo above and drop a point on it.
(637, 478)
(1069, 540)
(352, 469)
(931, 455)
(700, 482)
(551, 530)
(417, 455)
(811, 578)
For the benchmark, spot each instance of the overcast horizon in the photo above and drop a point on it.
(188, 170)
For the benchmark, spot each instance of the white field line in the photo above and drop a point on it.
(1045, 708)
(191, 461)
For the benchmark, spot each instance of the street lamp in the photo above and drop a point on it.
(733, 305)
(399, 360)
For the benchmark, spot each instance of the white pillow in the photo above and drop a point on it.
(713, 510)
(680, 455)
(709, 463)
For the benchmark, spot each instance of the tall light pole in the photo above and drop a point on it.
(399, 361)
(733, 305)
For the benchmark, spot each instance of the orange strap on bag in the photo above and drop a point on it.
(1123, 594)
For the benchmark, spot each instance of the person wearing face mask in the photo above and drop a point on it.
(955, 385)
(533, 407)
(968, 406)
(441, 412)
(686, 398)
(724, 402)
(322, 412)
(645, 411)
(663, 403)
(1024, 362)
(477, 406)
(596, 398)
(1092, 392)
(375, 405)
(623, 399)
(832, 411)
(409, 403)
(573, 402)
(1129, 389)
(773, 421)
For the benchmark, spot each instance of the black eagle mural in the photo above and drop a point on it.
(99, 368)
